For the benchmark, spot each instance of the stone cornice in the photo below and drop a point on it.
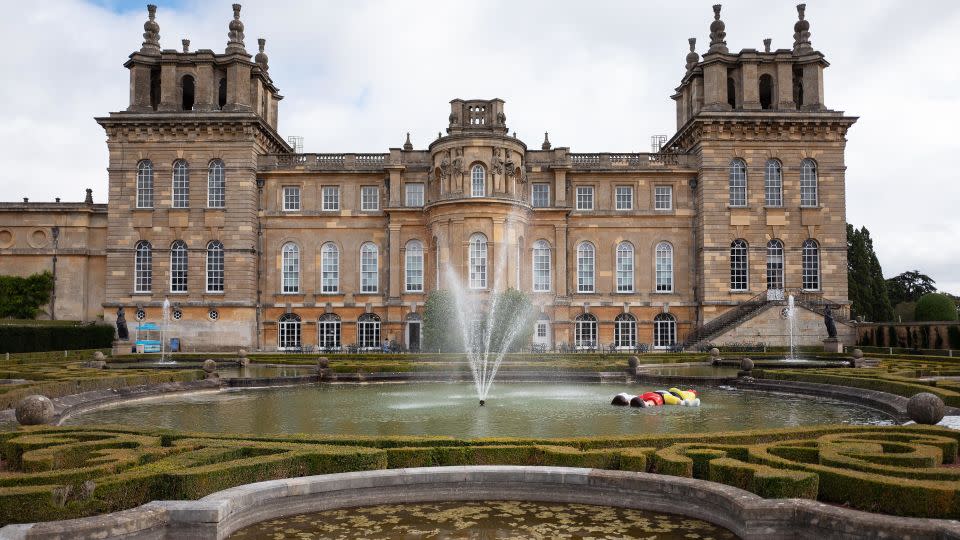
(182, 124)
(771, 125)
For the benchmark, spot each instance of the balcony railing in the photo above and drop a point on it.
(324, 162)
(630, 161)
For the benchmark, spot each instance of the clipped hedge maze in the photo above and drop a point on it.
(59, 473)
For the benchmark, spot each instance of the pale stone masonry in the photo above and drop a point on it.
(341, 249)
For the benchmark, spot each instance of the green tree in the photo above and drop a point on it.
(936, 307)
(21, 297)
(866, 287)
(909, 287)
(441, 332)
(512, 320)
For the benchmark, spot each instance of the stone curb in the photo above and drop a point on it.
(749, 516)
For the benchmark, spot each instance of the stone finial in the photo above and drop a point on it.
(692, 57)
(186, 45)
(408, 145)
(89, 198)
(261, 59)
(801, 32)
(34, 410)
(546, 141)
(766, 44)
(235, 35)
(717, 34)
(151, 32)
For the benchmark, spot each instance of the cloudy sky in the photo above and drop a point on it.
(597, 75)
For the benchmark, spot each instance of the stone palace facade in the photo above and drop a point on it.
(257, 246)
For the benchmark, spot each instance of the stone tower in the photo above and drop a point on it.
(183, 186)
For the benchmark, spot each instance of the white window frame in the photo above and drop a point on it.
(478, 257)
(329, 332)
(775, 265)
(810, 278)
(585, 198)
(585, 331)
(369, 268)
(180, 196)
(413, 267)
(331, 199)
(663, 267)
(540, 195)
(625, 331)
(216, 267)
(414, 194)
(369, 198)
(625, 267)
(143, 267)
(478, 181)
(773, 183)
(216, 184)
(329, 268)
(623, 197)
(663, 198)
(738, 183)
(809, 184)
(541, 266)
(145, 184)
(290, 268)
(664, 331)
(739, 265)
(586, 268)
(291, 198)
(368, 331)
(289, 332)
(179, 267)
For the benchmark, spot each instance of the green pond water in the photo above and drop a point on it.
(484, 520)
(512, 410)
(704, 370)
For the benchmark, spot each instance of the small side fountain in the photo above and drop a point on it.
(791, 313)
(163, 330)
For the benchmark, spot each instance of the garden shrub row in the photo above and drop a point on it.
(30, 338)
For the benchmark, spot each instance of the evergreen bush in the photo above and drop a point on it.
(21, 338)
(935, 307)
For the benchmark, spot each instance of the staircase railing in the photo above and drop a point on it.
(727, 320)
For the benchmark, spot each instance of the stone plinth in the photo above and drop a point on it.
(832, 345)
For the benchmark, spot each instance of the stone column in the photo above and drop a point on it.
(785, 87)
(715, 87)
(496, 257)
(812, 87)
(168, 88)
(750, 86)
(139, 88)
(394, 269)
(560, 260)
(205, 89)
(560, 187)
(395, 197)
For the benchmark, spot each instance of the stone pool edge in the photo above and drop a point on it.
(749, 516)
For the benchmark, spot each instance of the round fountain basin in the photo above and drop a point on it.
(541, 410)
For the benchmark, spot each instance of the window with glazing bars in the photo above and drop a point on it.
(145, 184)
(478, 181)
(369, 198)
(178, 266)
(540, 197)
(290, 267)
(369, 279)
(585, 267)
(811, 265)
(368, 331)
(541, 266)
(414, 266)
(331, 198)
(808, 183)
(664, 331)
(143, 267)
(585, 198)
(738, 265)
(181, 184)
(663, 198)
(773, 183)
(215, 266)
(585, 331)
(329, 268)
(216, 185)
(291, 198)
(624, 267)
(478, 261)
(775, 265)
(414, 195)
(625, 331)
(329, 331)
(738, 183)
(664, 267)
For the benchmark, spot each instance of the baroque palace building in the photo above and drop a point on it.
(258, 246)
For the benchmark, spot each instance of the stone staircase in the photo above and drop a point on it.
(728, 320)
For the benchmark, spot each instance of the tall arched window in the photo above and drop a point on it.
(181, 184)
(664, 267)
(586, 260)
(775, 265)
(664, 331)
(143, 267)
(414, 266)
(368, 331)
(288, 332)
(541, 266)
(478, 181)
(478, 261)
(738, 183)
(585, 331)
(625, 331)
(216, 185)
(773, 183)
(215, 267)
(808, 183)
(811, 265)
(624, 267)
(329, 332)
(290, 266)
(186, 93)
(738, 265)
(145, 184)
(178, 266)
(329, 268)
(369, 262)
(766, 91)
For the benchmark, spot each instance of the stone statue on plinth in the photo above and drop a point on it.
(828, 321)
(122, 332)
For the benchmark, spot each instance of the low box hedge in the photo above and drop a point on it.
(30, 338)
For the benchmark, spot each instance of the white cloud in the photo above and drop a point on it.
(597, 76)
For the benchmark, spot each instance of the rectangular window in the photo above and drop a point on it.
(624, 197)
(331, 198)
(414, 195)
(663, 198)
(369, 198)
(329, 335)
(368, 334)
(585, 198)
(291, 199)
(541, 195)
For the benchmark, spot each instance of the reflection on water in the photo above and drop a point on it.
(695, 371)
(257, 371)
(499, 519)
(512, 410)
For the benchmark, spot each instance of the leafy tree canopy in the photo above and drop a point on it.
(865, 283)
(21, 297)
(936, 307)
(909, 286)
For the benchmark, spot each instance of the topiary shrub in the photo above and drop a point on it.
(935, 307)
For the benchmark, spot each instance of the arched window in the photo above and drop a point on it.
(143, 267)
(216, 185)
(738, 265)
(738, 183)
(586, 260)
(222, 93)
(775, 265)
(215, 267)
(368, 331)
(773, 183)
(541, 266)
(288, 332)
(808, 183)
(290, 266)
(369, 261)
(664, 267)
(414, 266)
(478, 181)
(625, 331)
(624, 267)
(664, 331)
(478, 261)
(181, 184)
(329, 268)
(811, 265)
(731, 93)
(766, 91)
(187, 93)
(585, 331)
(145, 184)
(329, 332)
(178, 266)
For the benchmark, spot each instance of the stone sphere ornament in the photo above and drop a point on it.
(857, 353)
(242, 353)
(715, 352)
(925, 408)
(746, 364)
(633, 361)
(209, 365)
(99, 356)
(34, 410)
(323, 362)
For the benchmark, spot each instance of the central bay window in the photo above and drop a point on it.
(369, 198)
(329, 268)
(775, 265)
(624, 267)
(478, 261)
(663, 198)
(478, 181)
(288, 332)
(414, 266)
(145, 184)
(368, 331)
(216, 185)
(624, 197)
(540, 195)
(664, 267)
(331, 199)
(541, 266)
(414, 194)
(291, 198)
(369, 276)
(585, 267)
(738, 265)
(738, 183)
(181, 184)
(215, 265)
(808, 183)
(625, 331)
(585, 331)
(811, 265)
(143, 267)
(328, 328)
(584, 197)
(773, 183)
(178, 267)
(290, 268)
(664, 331)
